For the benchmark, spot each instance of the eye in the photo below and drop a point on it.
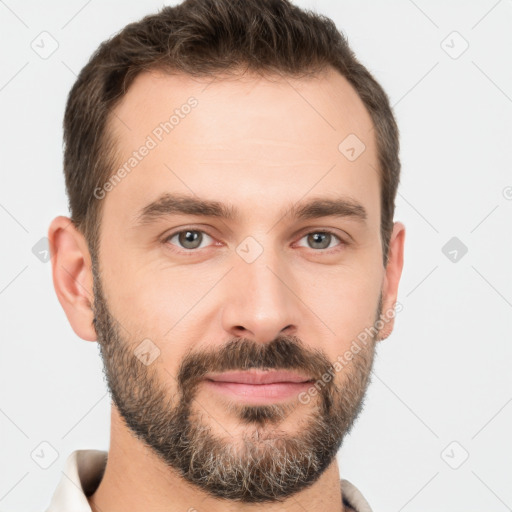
(188, 239)
(322, 239)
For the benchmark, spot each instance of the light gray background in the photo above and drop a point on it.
(442, 387)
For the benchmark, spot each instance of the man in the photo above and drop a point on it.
(231, 171)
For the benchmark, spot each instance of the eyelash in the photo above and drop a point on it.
(192, 252)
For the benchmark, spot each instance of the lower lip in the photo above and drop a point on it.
(260, 392)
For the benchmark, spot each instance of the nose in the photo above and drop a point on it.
(259, 302)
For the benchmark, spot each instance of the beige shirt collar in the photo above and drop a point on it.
(83, 471)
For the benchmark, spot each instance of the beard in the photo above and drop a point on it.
(262, 464)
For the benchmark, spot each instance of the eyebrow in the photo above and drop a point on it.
(178, 204)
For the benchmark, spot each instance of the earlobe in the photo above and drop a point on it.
(72, 275)
(391, 280)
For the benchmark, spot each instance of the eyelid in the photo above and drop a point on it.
(314, 229)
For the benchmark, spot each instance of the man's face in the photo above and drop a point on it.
(181, 298)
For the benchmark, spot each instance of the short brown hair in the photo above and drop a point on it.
(207, 38)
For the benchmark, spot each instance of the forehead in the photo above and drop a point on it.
(231, 139)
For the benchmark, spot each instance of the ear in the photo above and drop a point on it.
(72, 275)
(392, 278)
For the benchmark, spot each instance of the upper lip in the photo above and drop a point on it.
(258, 377)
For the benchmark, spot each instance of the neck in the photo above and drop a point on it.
(136, 480)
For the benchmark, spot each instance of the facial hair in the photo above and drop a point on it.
(266, 464)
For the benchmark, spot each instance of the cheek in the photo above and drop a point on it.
(345, 301)
(160, 303)
(353, 308)
(153, 306)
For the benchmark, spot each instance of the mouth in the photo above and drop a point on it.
(258, 386)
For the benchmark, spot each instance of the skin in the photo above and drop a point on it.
(260, 146)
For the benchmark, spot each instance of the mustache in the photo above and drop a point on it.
(282, 353)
